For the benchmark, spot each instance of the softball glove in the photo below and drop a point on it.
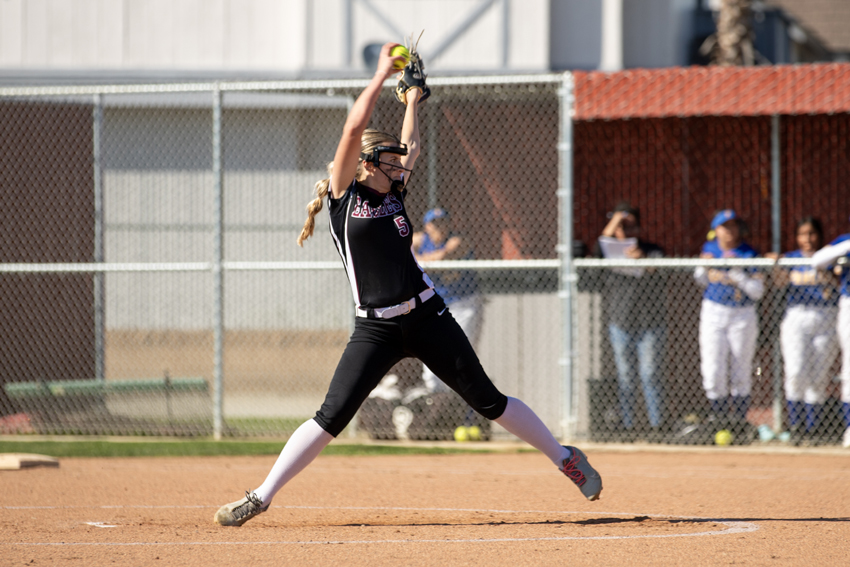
(413, 76)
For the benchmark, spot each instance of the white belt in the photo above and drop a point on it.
(402, 308)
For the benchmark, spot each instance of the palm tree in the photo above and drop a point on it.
(732, 44)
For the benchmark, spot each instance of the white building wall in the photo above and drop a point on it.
(269, 35)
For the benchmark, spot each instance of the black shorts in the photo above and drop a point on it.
(428, 333)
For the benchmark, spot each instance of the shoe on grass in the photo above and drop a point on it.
(239, 512)
(578, 469)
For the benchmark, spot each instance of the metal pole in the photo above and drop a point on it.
(217, 273)
(433, 144)
(308, 34)
(347, 33)
(99, 256)
(612, 36)
(565, 249)
(506, 33)
(776, 223)
(775, 182)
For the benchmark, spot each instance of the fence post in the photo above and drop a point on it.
(218, 275)
(776, 242)
(567, 277)
(99, 256)
(433, 133)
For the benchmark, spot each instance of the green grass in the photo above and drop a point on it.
(205, 448)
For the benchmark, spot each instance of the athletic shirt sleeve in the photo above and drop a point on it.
(723, 293)
(373, 236)
(845, 269)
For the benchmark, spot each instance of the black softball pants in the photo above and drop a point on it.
(428, 333)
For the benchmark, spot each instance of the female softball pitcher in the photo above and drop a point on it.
(838, 252)
(807, 332)
(728, 327)
(398, 313)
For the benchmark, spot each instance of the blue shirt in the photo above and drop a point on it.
(807, 286)
(723, 293)
(845, 272)
(451, 285)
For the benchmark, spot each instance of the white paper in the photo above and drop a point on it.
(615, 249)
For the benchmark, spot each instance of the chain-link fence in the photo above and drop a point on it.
(675, 350)
(150, 282)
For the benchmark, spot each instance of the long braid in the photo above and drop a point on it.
(314, 207)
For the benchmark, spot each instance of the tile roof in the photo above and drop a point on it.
(820, 88)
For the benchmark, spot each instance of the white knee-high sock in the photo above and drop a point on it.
(520, 420)
(303, 446)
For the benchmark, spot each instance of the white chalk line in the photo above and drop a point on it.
(732, 527)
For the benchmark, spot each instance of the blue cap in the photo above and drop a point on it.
(435, 214)
(722, 217)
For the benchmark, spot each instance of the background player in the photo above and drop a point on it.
(398, 312)
(728, 326)
(839, 250)
(458, 288)
(807, 332)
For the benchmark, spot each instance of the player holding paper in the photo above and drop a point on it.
(398, 312)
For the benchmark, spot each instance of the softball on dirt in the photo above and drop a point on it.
(474, 433)
(723, 437)
(461, 434)
(400, 51)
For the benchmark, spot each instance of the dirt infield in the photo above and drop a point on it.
(694, 507)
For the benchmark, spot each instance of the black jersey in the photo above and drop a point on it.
(373, 236)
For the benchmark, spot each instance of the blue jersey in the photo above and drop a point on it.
(845, 272)
(451, 285)
(723, 293)
(808, 286)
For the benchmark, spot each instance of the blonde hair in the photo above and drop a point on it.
(369, 140)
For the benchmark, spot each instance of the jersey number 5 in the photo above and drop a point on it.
(403, 229)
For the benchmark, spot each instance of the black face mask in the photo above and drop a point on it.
(375, 159)
(395, 184)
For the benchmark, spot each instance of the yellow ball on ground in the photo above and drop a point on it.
(723, 437)
(400, 51)
(461, 434)
(474, 433)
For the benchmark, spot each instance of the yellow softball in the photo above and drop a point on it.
(723, 437)
(400, 51)
(461, 434)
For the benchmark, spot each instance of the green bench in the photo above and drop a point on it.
(82, 388)
(159, 406)
(162, 398)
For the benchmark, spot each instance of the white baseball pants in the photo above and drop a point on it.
(727, 345)
(844, 340)
(809, 346)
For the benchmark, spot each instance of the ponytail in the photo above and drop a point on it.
(314, 207)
